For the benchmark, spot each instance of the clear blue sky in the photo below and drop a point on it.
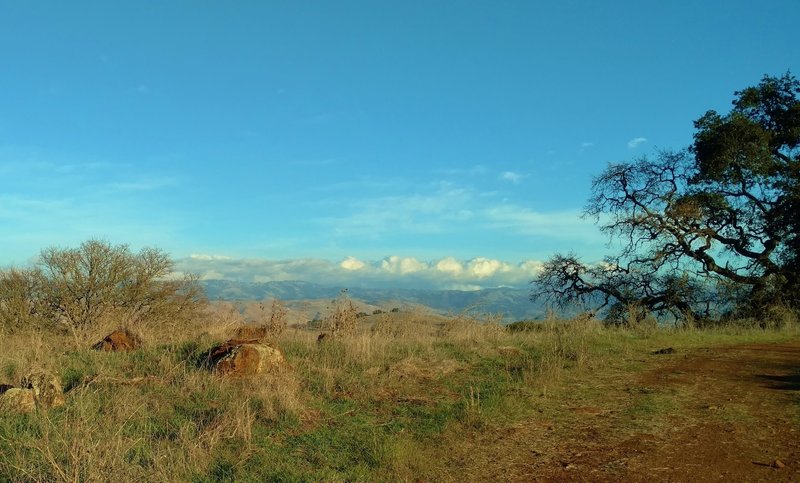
(448, 141)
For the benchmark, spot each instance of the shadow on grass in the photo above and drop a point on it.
(789, 382)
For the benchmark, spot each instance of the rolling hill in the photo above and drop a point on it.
(512, 303)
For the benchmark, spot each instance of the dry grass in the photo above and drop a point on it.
(378, 403)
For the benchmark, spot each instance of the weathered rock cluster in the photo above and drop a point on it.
(37, 389)
(40, 389)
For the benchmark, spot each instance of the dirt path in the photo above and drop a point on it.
(718, 414)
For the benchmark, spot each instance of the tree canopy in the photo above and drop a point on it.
(706, 229)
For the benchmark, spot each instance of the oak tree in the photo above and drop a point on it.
(711, 228)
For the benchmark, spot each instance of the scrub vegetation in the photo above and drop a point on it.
(401, 397)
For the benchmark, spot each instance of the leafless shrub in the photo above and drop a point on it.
(266, 323)
(343, 317)
(277, 319)
(97, 283)
(21, 302)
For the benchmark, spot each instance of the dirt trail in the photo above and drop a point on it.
(718, 414)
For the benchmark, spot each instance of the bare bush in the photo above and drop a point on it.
(21, 303)
(343, 317)
(269, 323)
(97, 283)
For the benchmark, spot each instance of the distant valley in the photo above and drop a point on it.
(512, 303)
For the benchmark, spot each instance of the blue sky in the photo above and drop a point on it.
(436, 143)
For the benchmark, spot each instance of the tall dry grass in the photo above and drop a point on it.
(381, 397)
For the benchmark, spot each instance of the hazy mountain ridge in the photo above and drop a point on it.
(513, 303)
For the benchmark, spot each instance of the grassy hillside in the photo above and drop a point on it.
(408, 397)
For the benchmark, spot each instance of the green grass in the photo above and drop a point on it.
(374, 407)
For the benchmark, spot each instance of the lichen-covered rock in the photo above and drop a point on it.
(17, 400)
(46, 388)
(119, 340)
(242, 357)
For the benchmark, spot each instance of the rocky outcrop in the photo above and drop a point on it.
(243, 357)
(38, 388)
(17, 400)
(46, 388)
(119, 340)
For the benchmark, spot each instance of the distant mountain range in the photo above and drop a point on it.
(512, 303)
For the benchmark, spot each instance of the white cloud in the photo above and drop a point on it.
(210, 275)
(450, 265)
(511, 176)
(402, 265)
(532, 267)
(352, 264)
(412, 213)
(446, 209)
(562, 225)
(464, 287)
(204, 256)
(587, 144)
(636, 142)
(391, 271)
(483, 267)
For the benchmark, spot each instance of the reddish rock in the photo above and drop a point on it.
(243, 357)
(119, 340)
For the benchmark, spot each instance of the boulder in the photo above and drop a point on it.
(18, 400)
(119, 340)
(243, 357)
(46, 388)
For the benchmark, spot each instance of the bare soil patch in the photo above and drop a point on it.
(716, 414)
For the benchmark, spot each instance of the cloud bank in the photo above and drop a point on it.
(392, 271)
